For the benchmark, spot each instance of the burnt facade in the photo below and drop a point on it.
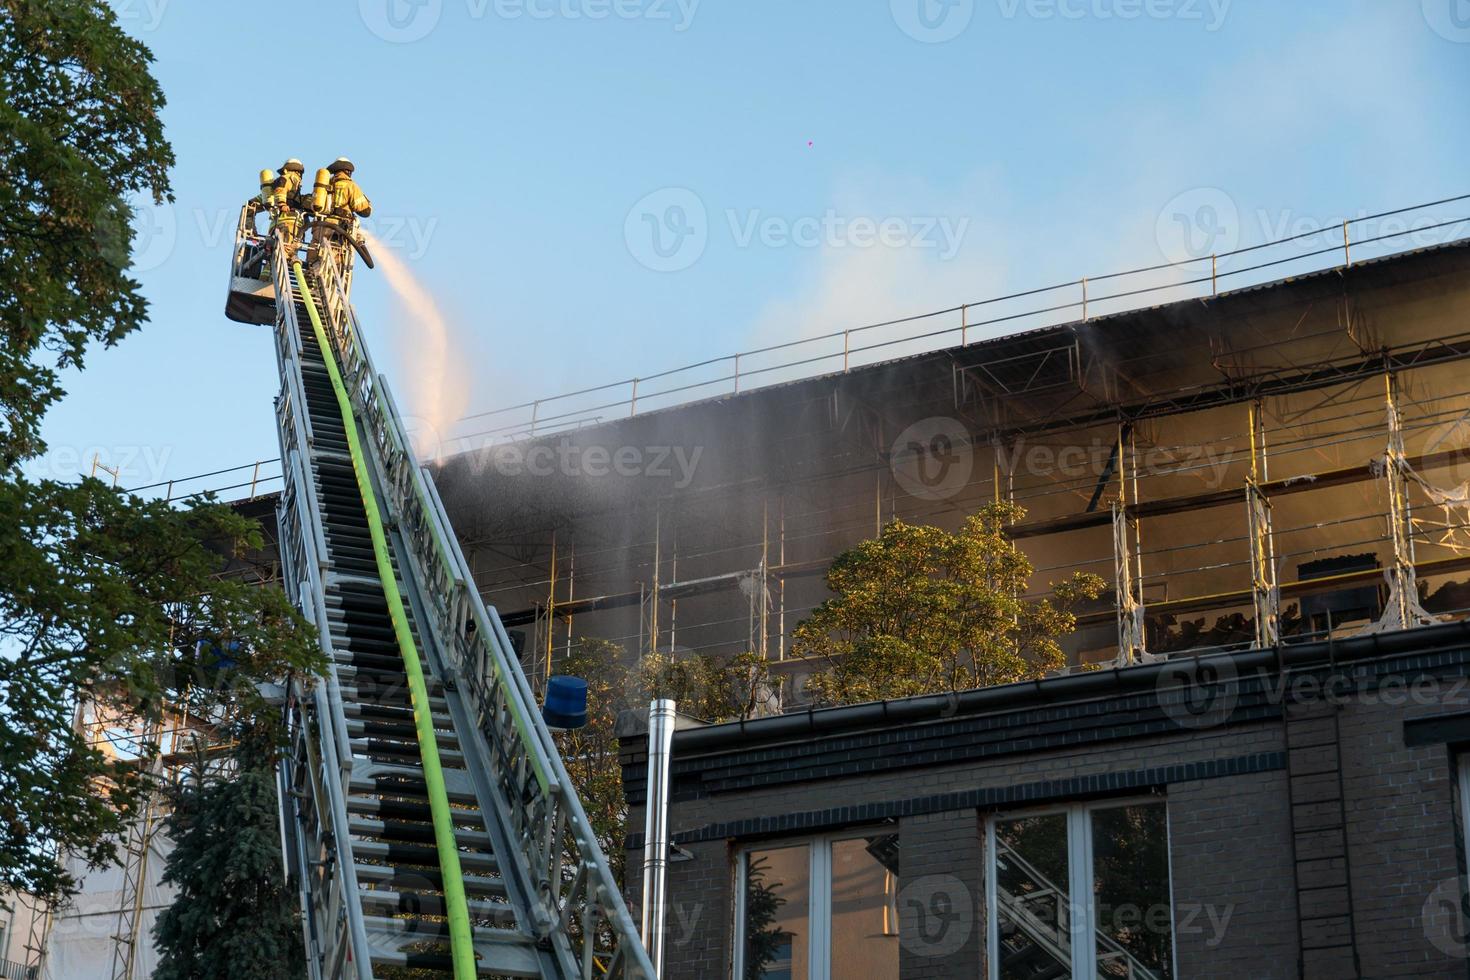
(1283, 463)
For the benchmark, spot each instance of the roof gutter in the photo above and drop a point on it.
(1181, 671)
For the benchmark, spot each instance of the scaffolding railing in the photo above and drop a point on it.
(1078, 299)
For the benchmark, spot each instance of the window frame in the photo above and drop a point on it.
(1079, 878)
(819, 893)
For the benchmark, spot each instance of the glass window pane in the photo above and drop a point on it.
(1033, 918)
(864, 907)
(1130, 874)
(777, 901)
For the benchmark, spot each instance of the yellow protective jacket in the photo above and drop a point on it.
(348, 199)
(286, 191)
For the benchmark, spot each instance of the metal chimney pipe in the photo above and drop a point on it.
(656, 829)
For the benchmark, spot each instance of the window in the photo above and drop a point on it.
(1117, 855)
(822, 909)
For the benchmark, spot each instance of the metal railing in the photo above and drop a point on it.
(578, 906)
(264, 476)
(1052, 931)
(10, 970)
(1079, 299)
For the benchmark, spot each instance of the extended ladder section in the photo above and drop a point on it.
(427, 819)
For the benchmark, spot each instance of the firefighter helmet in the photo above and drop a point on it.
(341, 165)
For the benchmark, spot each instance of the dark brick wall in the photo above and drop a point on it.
(1401, 835)
(941, 896)
(1308, 840)
(1230, 859)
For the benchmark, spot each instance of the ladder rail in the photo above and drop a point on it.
(456, 907)
(303, 553)
(534, 792)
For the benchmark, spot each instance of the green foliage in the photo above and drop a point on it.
(705, 687)
(712, 689)
(79, 132)
(590, 754)
(233, 917)
(920, 610)
(105, 597)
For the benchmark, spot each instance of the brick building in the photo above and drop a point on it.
(1278, 813)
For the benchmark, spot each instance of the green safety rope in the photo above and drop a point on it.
(461, 942)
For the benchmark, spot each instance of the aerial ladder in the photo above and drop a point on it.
(428, 823)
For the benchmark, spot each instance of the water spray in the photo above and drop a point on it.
(438, 381)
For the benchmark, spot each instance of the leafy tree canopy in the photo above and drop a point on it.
(710, 688)
(920, 610)
(103, 597)
(79, 132)
(116, 600)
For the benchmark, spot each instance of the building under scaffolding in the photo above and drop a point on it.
(1284, 462)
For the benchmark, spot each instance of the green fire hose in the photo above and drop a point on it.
(461, 942)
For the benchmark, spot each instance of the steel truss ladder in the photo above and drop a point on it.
(390, 799)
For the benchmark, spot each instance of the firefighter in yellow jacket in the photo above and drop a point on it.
(286, 200)
(346, 201)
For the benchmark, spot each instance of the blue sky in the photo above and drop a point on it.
(507, 145)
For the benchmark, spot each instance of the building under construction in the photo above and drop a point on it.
(1276, 464)
(1273, 482)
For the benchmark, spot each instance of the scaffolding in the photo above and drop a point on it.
(1255, 488)
(72, 941)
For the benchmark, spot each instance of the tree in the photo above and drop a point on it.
(79, 132)
(233, 917)
(705, 687)
(712, 689)
(920, 610)
(590, 754)
(102, 595)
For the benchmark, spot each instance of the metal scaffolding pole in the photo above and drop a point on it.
(1403, 577)
(1128, 560)
(1265, 592)
(781, 580)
